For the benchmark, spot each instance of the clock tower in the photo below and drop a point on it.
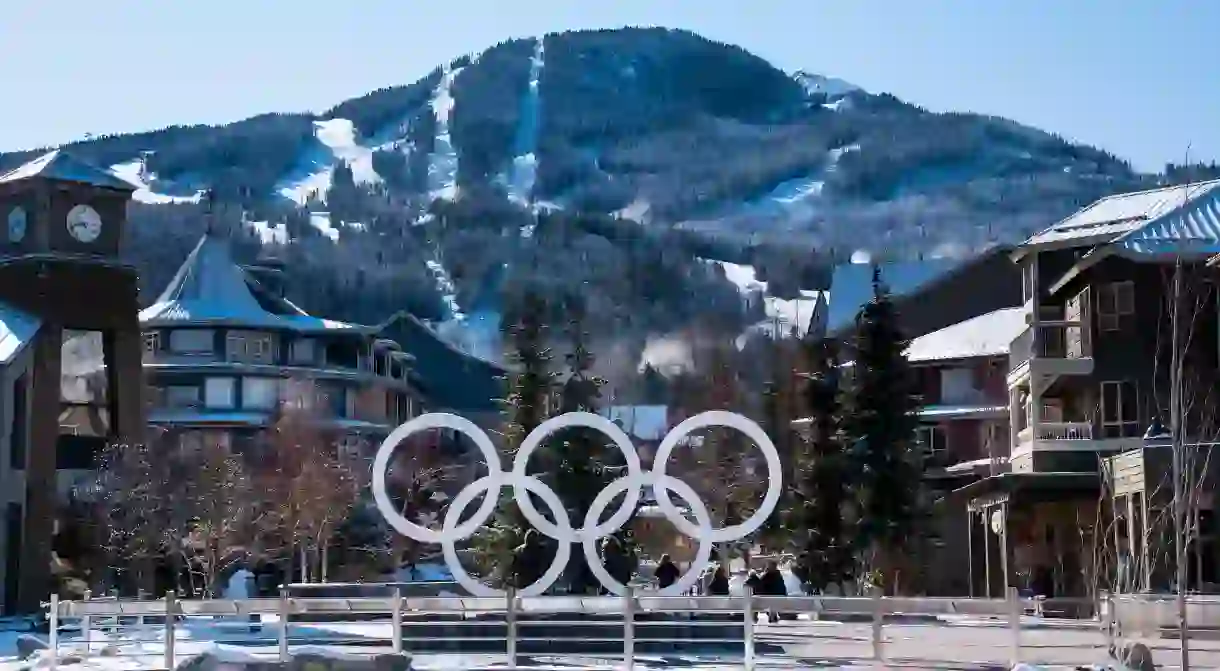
(61, 224)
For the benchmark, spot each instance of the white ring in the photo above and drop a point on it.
(381, 464)
(550, 426)
(702, 556)
(490, 483)
(561, 530)
(754, 433)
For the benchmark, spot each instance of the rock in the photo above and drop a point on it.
(28, 644)
(69, 659)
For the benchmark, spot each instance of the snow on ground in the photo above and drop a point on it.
(807, 641)
(797, 200)
(524, 170)
(832, 87)
(443, 161)
(337, 138)
(269, 233)
(786, 313)
(321, 221)
(448, 291)
(135, 172)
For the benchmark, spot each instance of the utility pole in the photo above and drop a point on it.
(1179, 462)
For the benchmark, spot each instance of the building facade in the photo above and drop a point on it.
(963, 431)
(1088, 378)
(61, 285)
(226, 356)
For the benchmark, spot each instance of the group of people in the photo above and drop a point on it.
(769, 582)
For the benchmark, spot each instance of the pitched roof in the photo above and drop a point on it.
(851, 286)
(17, 329)
(62, 166)
(1117, 215)
(1189, 226)
(450, 378)
(985, 335)
(211, 289)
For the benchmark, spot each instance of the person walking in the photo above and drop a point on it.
(772, 584)
(719, 584)
(666, 573)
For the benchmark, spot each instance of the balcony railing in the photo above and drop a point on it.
(1066, 340)
(1063, 431)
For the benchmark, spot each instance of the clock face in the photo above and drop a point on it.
(84, 223)
(17, 220)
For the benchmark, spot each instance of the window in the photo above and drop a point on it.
(191, 341)
(931, 439)
(405, 409)
(260, 393)
(152, 342)
(302, 351)
(17, 441)
(957, 385)
(251, 347)
(182, 396)
(1114, 301)
(219, 393)
(1119, 412)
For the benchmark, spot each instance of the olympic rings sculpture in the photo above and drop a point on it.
(561, 530)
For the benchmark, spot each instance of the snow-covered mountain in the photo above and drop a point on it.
(609, 164)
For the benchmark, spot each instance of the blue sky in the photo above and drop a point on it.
(1136, 77)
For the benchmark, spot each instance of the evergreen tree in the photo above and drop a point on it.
(780, 409)
(879, 424)
(529, 382)
(584, 458)
(814, 516)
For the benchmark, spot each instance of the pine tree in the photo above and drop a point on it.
(584, 458)
(529, 382)
(879, 428)
(780, 409)
(814, 518)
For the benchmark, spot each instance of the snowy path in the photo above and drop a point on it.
(805, 642)
(443, 161)
(524, 171)
(337, 139)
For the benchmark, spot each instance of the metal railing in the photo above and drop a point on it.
(1063, 431)
(622, 629)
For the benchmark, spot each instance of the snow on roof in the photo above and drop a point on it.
(985, 335)
(1119, 214)
(210, 288)
(1189, 225)
(62, 166)
(17, 329)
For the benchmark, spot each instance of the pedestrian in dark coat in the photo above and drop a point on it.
(667, 572)
(772, 584)
(719, 584)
